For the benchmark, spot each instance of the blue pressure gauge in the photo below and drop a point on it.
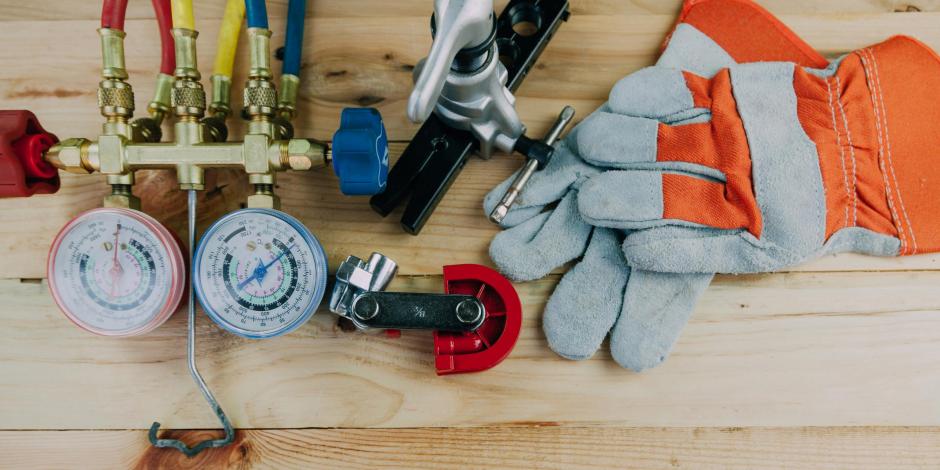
(259, 273)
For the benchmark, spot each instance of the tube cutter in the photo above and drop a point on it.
(476, 322)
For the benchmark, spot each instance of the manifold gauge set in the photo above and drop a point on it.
(258, 272)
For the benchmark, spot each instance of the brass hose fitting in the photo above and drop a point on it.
(115, 95)
(187, 96)
(220, 108)
(159, 106)
(287, 98)
(260, 96)
(112, 53)
(221, 93)
(148, 128)
(286, 106)
(72, 155)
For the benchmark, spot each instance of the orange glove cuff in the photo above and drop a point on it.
(876, 125)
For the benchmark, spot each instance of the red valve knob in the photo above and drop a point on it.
(23, 141)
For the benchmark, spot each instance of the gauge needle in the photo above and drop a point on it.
(116, 270)
(265, 267)
(256, 274)
(262, 270)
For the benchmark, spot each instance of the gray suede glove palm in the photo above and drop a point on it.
(644, 311)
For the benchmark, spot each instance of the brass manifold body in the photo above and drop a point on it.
(125, 146)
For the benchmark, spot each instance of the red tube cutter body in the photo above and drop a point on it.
(459, 352)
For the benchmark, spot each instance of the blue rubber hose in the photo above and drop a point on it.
(256, 13)
(293, 44)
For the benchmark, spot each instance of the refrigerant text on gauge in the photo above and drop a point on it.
(259, 273)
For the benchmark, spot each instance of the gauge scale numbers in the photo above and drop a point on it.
(260, 273)
(112, 272)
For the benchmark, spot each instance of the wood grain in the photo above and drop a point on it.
(505, 448)
(847, 340)
(821, 349)
(367, 60)
(208, 9)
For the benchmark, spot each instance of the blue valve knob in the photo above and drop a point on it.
(360, 152)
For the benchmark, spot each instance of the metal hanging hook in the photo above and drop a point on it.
(191, 355)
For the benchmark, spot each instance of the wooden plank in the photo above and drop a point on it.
(368, 61)
(212, 9)
(505, 448)
(777, 350)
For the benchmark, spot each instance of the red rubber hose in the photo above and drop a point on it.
(112, 14)
(164, 21)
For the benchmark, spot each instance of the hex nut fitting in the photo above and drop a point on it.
(260, 98)
(188, 98)
(303, 154)
(70, 155)
(125, 201)
(115, 98)
(263, 201)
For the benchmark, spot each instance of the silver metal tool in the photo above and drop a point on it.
(358, 295)
(355, 276)
(193, 371)
(463, 81)
(567, 114)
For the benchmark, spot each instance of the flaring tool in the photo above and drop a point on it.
(475, 64)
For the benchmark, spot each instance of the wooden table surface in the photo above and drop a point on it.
(835, 364)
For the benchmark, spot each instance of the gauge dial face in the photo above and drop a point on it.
(116, 272)
(259, 273)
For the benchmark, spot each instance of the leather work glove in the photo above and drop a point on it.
(643, 309)
(793, 163)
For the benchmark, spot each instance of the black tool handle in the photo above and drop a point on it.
(406, 311)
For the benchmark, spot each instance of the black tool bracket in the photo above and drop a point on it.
(437, 153)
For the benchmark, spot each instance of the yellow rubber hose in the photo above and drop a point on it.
(182, 14)
(228, 37)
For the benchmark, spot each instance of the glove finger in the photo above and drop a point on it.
(658, 93)
(611, 140)
(656, 307)
(645, 199)
(703, 250)
(586, 302)
(537, 246)
(546, 186)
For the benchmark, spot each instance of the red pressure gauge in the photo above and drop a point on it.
(116, 272)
